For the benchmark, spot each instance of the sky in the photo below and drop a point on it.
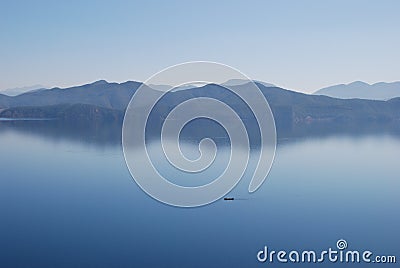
(299, 45)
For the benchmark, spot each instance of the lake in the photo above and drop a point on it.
(70, 202)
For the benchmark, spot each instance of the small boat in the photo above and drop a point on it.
(229, 198)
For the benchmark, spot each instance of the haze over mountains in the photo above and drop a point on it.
(20, 90)
(238, 82)
(357, 89)
(293, 111)
(362, 90)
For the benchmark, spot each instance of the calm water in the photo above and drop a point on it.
(72, 203)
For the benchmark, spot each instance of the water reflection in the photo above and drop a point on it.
(67, 200)
(109, 132)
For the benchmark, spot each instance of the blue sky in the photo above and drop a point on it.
(301, 45)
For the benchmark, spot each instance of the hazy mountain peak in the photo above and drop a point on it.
(20, 90)
(182, 87)
(239, 82)
(100, 82)
(362, 90)
(358, 83)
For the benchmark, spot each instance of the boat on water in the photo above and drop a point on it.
(229, 198)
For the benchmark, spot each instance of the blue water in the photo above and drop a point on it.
(72, 203)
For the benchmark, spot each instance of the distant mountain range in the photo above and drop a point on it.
(239, 82)
(361, 90)
(100, 93)
(355, 90)
(20, 90)
(105, 102)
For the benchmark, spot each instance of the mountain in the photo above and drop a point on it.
(20, 90)
(239, 82)
(295, 113)
(361, 90)
(168, 87)
(100, 93)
